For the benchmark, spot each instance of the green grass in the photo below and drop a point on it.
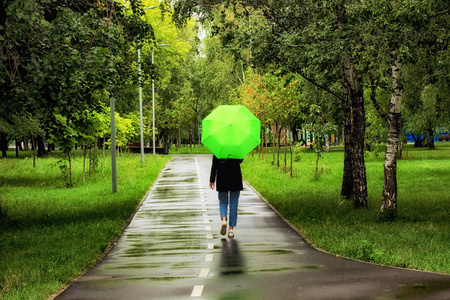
(417, 239)
(50, 233)
(186, 149)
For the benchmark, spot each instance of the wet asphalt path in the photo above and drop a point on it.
(172, 249)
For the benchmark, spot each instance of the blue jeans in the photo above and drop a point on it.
(231, 197)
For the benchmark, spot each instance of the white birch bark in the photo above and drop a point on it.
(389, 195)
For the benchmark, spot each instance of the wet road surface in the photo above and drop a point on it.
(172, 249)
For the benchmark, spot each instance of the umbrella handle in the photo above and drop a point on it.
(225, 159)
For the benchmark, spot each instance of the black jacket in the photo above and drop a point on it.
(226, 173)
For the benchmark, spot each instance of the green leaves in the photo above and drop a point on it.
(56, 58)
(62, 133)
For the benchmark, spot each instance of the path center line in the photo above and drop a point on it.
(197, 291)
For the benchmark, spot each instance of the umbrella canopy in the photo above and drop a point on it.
(231, 131)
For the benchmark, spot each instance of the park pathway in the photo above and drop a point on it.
(172, 249)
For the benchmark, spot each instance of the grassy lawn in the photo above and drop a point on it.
(50, 233)
(186, 149)
(418, 239)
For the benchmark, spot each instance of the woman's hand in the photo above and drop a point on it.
(211, 185)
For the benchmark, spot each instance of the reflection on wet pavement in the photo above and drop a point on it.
(232, 261)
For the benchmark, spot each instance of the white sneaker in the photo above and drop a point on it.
(223, 229)
(230, 234)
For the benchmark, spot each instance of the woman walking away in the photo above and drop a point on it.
(227, 176)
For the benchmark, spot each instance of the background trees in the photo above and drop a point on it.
(62, 58)
(312, 39)
(336, 45)
(55, 61)
(56, 56)
(296, 63)
(401, 32)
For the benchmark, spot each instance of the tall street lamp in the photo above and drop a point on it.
(113, 131)
(113, 121)
(153, 92)
(140, 104)
(140, 96)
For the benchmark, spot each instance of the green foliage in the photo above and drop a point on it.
(90, 126)
(63, 133)
(275, 98)
(21, 126)
(297, 150)
(64, 168)
(183, 113)
(333, 45)
(365, 251)
(126, 129)
(376, 126)
(56, 60)
(426, 99)
(319, 128)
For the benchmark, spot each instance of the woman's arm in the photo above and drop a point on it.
(212, 176)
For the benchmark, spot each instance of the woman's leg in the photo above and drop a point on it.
(223, 204)
(234, 201)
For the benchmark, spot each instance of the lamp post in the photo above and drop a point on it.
(113, 132)
(140, 96)
(140, 105)
(113, 122)
(153, 92)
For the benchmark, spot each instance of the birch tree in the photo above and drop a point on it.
(400, 31)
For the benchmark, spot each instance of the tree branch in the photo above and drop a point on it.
(298, 71)
(373, 92)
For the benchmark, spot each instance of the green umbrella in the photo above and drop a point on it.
(231, 131)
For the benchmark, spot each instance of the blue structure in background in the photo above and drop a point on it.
(443, 136)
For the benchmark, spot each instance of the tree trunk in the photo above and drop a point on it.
(90, 161)
(4, 144)
(278, 145)
(358, 128)
(266, 140)
(347, 180)
(418, 142)
(41, 146)
(354, 183)
(358, 164)
(33, 143)
(285, 148)
(261, 146)
(273, 146)
(25, 143)
(103, 148)
(291, 162)
(17, 148)
(430, 139)
(389, 195)
(179, 138)
(84, 162)
(70, 169)
(400, 147)
(95, 158)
